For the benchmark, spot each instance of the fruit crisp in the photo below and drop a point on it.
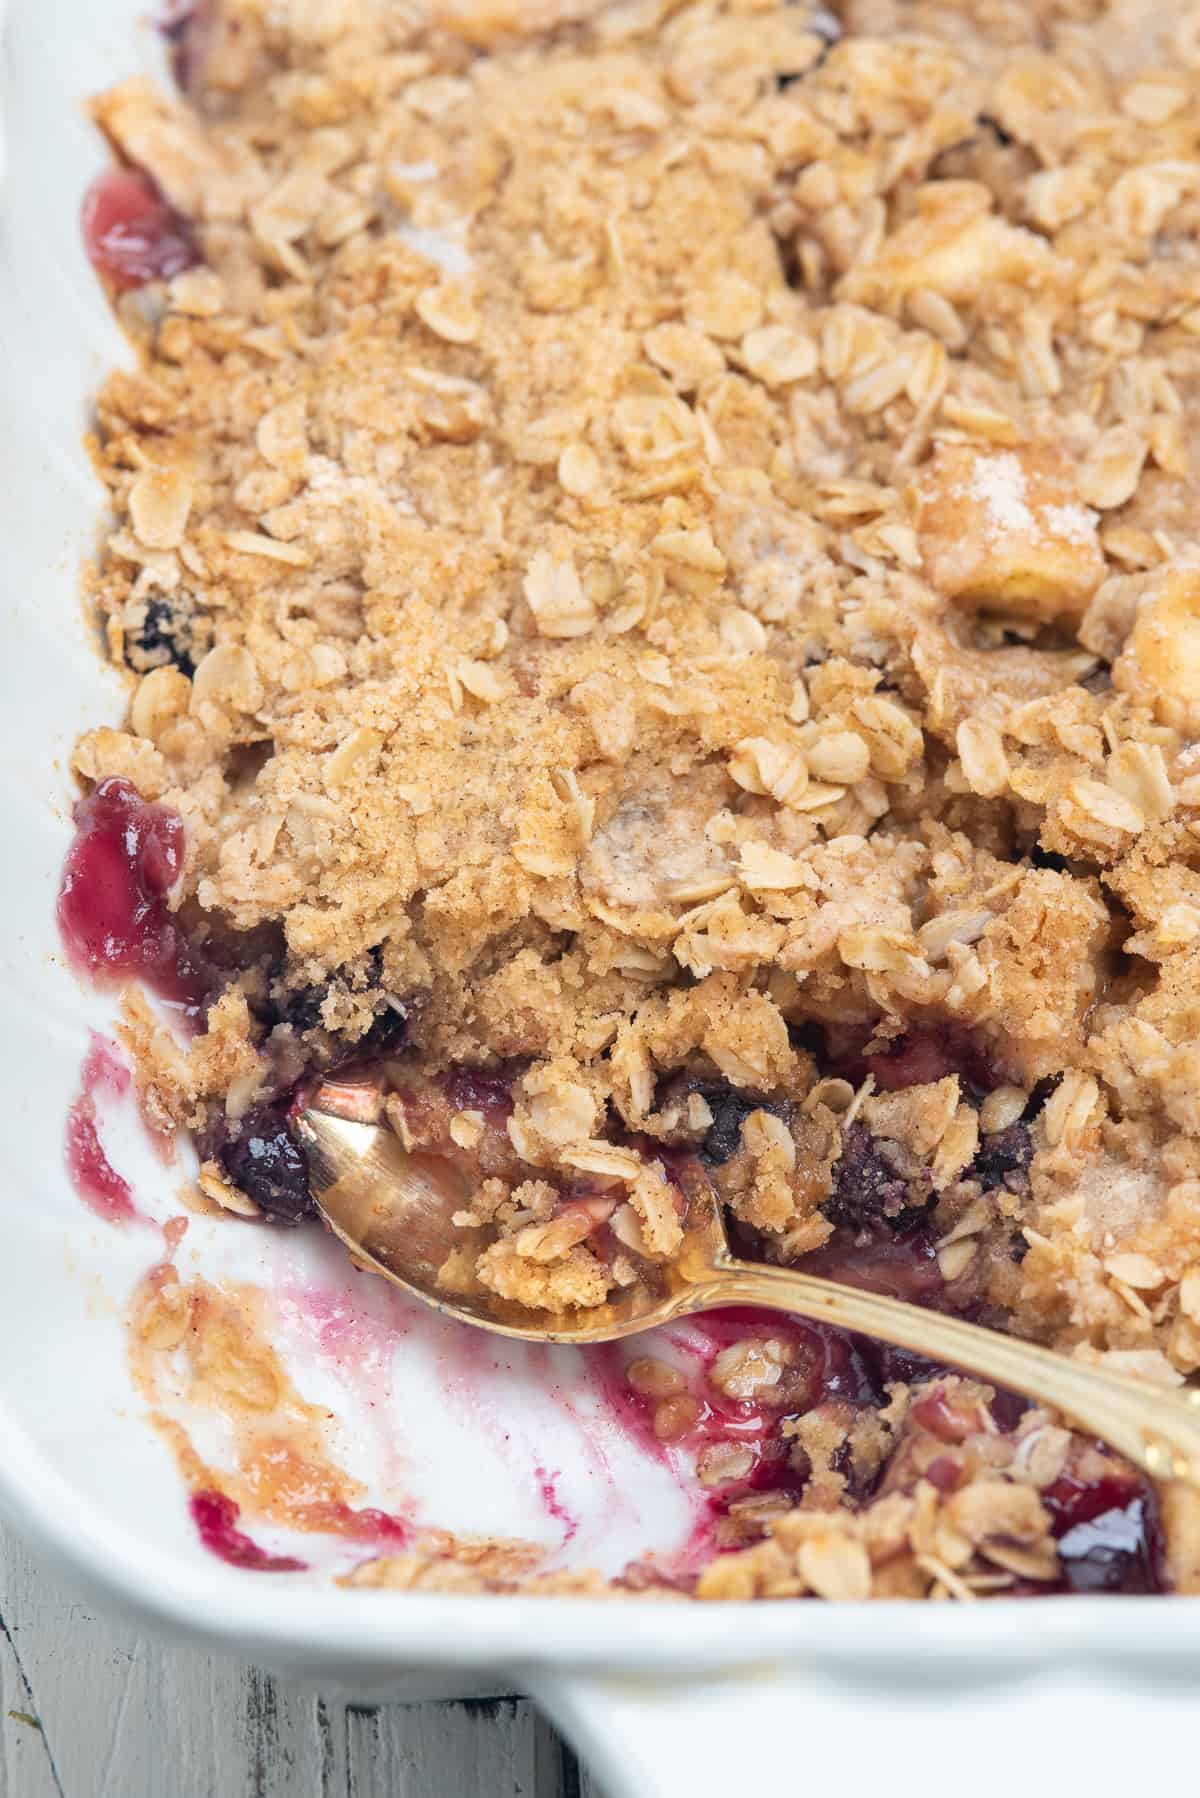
(653, 545)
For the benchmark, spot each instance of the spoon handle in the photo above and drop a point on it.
(1158, 1428)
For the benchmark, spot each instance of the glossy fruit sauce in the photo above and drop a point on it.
(216, 1517)
(132, 234)
(102, 1189)
(1104, 1513)
(113, 909)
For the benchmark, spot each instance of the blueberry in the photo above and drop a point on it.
(269, 1166)
(1108, 1529)
(866, 1191)
(1110, 1553)
(474, 1089)
(730, 1109)
(1004, 1158)
(301, 1008)
(879, 1365)
(163, 637)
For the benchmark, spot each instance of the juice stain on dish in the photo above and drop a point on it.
(469, 1361)
(102, 1189)
(197, 1349)
(554, 1507)
(115, 923)
(354, 1327)
(357, 1332)
(215, 1517)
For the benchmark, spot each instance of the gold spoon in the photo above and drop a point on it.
(393, 1210)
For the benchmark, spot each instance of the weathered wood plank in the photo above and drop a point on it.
(476, 1749)
(114, 1714)
(26, 1769)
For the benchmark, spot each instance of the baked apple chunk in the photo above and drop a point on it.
(1005, 531)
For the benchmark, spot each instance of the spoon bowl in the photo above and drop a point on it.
(395, 1211)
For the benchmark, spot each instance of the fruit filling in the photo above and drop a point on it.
(834, 1465)
(642, 710)
(113, 907)
(131, 233)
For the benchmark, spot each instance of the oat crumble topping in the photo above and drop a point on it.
(654, 548)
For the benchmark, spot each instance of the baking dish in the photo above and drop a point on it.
(666, 1697)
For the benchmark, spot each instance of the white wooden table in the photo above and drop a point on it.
(91, 1709)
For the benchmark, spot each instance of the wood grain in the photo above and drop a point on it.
(92, 1709)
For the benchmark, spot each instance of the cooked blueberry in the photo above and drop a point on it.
(1108, 1530)
(894, 1365)
(1107, 1554)
(301, 1007)
(1008, 1408)
(163, 635)
(900, 1262)
(866, 1191)
(474, 1089)
(730, 1109)
(1110, 1553)
(266, 1162)
(131, 231)
(929, 1051)
(1004, 1158)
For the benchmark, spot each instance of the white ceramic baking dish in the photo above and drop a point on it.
(1062, 1696)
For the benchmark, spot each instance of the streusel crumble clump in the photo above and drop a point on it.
(654, 546)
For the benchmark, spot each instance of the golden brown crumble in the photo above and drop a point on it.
(677, 524)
